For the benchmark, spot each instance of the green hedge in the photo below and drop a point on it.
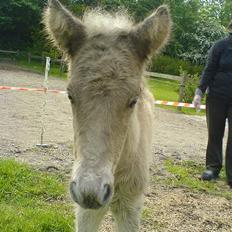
(169, 65)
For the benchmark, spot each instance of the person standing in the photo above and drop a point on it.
(216, 81)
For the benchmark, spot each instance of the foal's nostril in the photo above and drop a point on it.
(73, 187)
(90, 197)
(107, 192)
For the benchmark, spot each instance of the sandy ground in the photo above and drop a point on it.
(176, 137)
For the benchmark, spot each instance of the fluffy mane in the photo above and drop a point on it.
(99, 21)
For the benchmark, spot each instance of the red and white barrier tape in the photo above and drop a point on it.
(158, 102)
(181, 104)
(32, 89)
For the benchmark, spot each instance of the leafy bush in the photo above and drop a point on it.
(206, 33)
(191, 82)
(170, 65)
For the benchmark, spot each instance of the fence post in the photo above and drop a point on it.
(182, 89)
(43, 58)
(45, 86)
(29, 57)
(61, 67)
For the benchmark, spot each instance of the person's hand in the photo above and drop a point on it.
(197, 102)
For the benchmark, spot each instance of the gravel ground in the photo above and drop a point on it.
(176, 137)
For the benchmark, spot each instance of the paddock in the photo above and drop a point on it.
(177, 137)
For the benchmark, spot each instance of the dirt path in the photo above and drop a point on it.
(176, 137)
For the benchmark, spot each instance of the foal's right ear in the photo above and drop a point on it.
(65, 30)
(153, 33)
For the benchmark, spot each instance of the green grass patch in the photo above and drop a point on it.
(164, 89)
(32, 201)
(39, 67)
(149, 219)
(168, 90)
(186, 174)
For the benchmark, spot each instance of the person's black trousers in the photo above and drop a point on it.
(217, 111)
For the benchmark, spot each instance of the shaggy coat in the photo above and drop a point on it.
(112, 109)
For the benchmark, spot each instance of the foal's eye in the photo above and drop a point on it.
(70, 98)
(133, 101)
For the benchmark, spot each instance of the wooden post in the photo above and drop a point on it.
(43, 61)
(61, 67)
(182, 90)
(29, 57)
(16, 56)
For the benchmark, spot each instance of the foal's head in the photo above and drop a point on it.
(106, 56)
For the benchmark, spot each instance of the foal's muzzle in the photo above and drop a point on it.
(91, 197)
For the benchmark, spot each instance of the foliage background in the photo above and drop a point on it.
(197, 25)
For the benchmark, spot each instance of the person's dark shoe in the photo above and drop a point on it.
(209, 175)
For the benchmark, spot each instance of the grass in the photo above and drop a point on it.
(164, 89)
(167, 90)
(32, 201)
(150, 221)
(40, 68)
(35, 201)
(186, 174)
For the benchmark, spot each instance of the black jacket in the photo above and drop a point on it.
(217, 75)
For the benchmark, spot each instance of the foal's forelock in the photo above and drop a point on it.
(99, 21)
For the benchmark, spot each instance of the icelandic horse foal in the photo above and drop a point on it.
(112, 109)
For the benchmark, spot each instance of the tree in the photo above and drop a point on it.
(19, 21)
(197, 23)
(226, 12)
(207, 32)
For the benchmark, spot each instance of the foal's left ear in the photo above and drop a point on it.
(66, 31)
(153, 33)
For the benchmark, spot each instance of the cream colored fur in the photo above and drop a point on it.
(99, 21)
(112, 137)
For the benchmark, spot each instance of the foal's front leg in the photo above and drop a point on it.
(127, 213)
(88, 220)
